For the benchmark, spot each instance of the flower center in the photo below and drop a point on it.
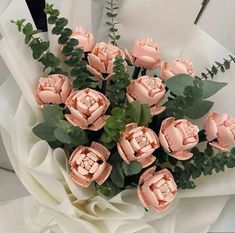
(142, 141)
(88, 101)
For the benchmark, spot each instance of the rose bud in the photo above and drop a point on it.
(53, 89)
(85, 39)
(87, 108)
(145, 54)
(170, 69)
(178, 136)
(220, 130)
(89, 164)
(147, 90)
(101, 60)
(156, 190)
(138, 144)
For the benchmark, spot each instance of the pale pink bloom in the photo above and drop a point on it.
(170, 69)
(145, 54)
(147, 90)
(53, 89)
(138, 144)
(220, 130)
(86, 39)
(87, 108)
(89, 164)
(101, 60)
(178, 136)
(156, 190)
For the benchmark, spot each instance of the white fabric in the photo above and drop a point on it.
(44, 172)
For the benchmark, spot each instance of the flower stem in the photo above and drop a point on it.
(136, 73)
(104, 87)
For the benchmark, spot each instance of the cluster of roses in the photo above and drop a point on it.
(88, 107)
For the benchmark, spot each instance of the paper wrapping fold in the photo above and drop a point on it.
(44, 171)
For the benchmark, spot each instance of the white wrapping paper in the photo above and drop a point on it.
(44, 171)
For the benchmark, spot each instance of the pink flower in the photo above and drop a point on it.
(178, 136)
(156, 190)
(145, 54)
(86, 39)
(147, 90)
(170, 69)
(89, 164)
(220, 130)
(138, 144)
(53, 89)
(87, 108)
(101, 60)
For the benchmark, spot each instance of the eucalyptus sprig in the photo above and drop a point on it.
(74, 56)
(112, 12)
(218, 67)
(39, 48)
(202, 163)
(116, 91)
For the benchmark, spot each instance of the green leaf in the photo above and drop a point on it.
(199, 108)
(44, 131)
(178, 83)
(28, 29)
(211, 87)
(62, 136)
(27, 39)
(52, 113)
(52, 19)
(57, 30)
(116, 178)
(135, 111)
(132, 169)
(36, 55)
(226, 64)
(61, 22)
(145, 115)
(72, 42)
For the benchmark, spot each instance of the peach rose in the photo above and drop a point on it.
(138, 144)
(53, 89)
(170, 69)
(86, 39)
(156, 190)
(101, 60)
(178, 136)
(87, 108)
(147, 90)
(89, 164)
(145, 54)
(220, 130)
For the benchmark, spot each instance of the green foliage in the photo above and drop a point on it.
(218, 67)
(116, 91)
(188, 96)
(57, 131)
(131, 169)
(139, 113)
(112, 9)
(202, 163)
(107, 189)
(40, 49)
(70, 51)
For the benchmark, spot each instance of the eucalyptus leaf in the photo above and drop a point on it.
(131, 169)
(44, 131)
(211, 87)
(62, 136)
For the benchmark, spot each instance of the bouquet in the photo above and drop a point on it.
(120, 126)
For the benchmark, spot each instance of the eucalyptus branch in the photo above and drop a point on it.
(112, 14)
(39, 48)
(218, 66)
(70, 50)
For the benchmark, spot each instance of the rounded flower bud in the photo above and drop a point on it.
(220, 130)
(147, 90)
(87, 108)
(170, 69)
(156, 190)
(101, 60)
(86, 39)
(89, 164)
(53, 89)
(178, 136)
(138, 144)
(145, 54)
